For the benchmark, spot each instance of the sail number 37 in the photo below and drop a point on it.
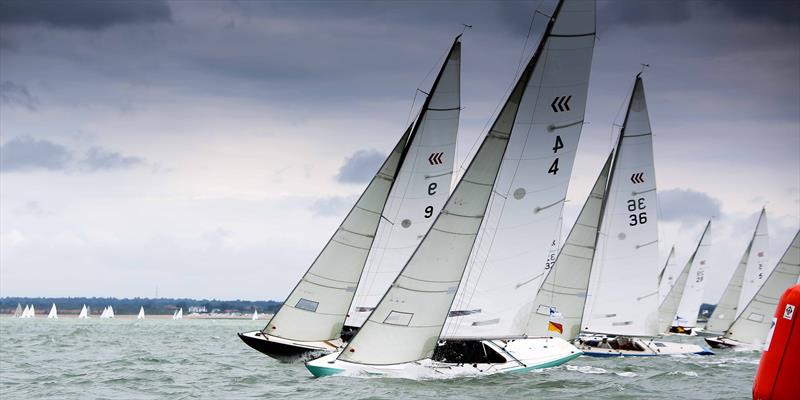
(637, 216)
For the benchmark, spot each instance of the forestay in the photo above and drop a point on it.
(731, 302)
(757, 262)
(561, 299)
(505, 269)
(669, 306)
(420, 190)
(623, 291)
(316, 308)
(689, 307)
(754, 322)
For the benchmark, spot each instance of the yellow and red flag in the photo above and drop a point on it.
(555, 327)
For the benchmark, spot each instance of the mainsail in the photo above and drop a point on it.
(53, 312)
(141, 313)
(561, 299)
(406, 324)
(255, 315)
(419, 191)
(730, 303)
(755, 319)
(689, 307)
(623, 289)
(18, 311)
(757, 261)
(26, 313)
(317, 307)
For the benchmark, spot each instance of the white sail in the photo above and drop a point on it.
(104, 314)
(179, 315)
(561, 299)
(110, 312)
(732, 299)
(255, 315)
(25, 312)
(419, 192)
(141, 313)
(623, 290)
(505, 269)
(757, 262)
(84, 313)
(406, 324)
(32, 312)
(18, 311)
(689, 307)
(53, 312)
(318, 306)
(175, 314)
(665, 278)
(754, 322)
(669, 305)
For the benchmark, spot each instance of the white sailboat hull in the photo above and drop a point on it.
(519, 355)
(601, 346)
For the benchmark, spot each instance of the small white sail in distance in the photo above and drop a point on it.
(414, 309)
(623, 288)
(731, 302)
(757, 262)
(179, 315)
(689, 307)
(672, 299)
(18, 311)
(110, 311)
(32, 312)
(175, 314)
(141, 313)
(754, 322)
(255, 315)
(53, 312)
(84, 313)
(25, 312)
(104, 314)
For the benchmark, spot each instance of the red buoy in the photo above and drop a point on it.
(777, 376)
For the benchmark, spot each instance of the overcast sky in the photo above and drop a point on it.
(211, 148)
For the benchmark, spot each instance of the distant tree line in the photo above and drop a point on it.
(131, 306)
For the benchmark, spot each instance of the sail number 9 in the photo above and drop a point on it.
(638, 216)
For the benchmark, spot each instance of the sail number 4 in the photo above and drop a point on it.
(637, 216)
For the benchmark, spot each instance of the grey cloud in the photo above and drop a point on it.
(658, 12)
(25, 153)
(687, 205)
(644, 13)
(331, 206)
(15, 94)
(360, 167)
(98, 158)
(83, 14)
(31, 207)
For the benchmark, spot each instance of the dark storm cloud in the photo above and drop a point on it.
(98, 158)
(26, 153)
(83, 14)
(687, 205)
(360, 167)
(648, 13)
(15, 94)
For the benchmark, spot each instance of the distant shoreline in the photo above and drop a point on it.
(157, 316)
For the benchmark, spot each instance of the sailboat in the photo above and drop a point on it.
(685, 319)
(31, 312)
(255, 315)
(104, 314)
(498, 223)
(141, 313)
(18, 311)
(752, 325)
(110, 312)
(178, 314)
(26, 312)
(84, 313)
(620, 316)
(53, 312)
(749, 272)
(380, 231)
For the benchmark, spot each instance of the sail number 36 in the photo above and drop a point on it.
(637, 216)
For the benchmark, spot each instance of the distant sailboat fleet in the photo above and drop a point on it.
(422, 278)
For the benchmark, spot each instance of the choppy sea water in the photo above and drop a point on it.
(166, 359)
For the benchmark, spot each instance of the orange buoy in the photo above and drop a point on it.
(777, 376)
